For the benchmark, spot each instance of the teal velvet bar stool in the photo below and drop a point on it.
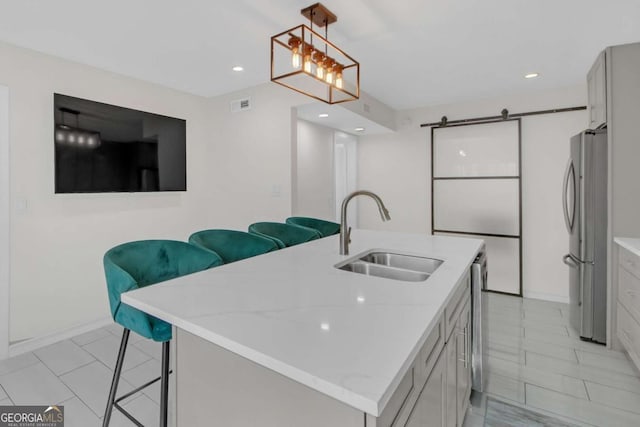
(233, 245)
(135, 265)
(325, 228)
(284, 234)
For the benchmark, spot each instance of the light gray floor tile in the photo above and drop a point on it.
(472, 420)
(521, 343)
(550, 380)
(502, 414)
(91, 384)
(614, 397)
(106, 350)
(511, 317)
(584, 372)
(548, 329)
(538, 303)
(63, 356)
(540, 311)
(506, 329)
(91, 336)
(497, 337)
(546, 319)
(18, 362)
(504, 300)
(503, 352)
(142, 408)
(150, 347)
(144, 373)
(550, 350)
(505, 387)
(35, 385)
(77, 414)
(605, 362)
(116, 330)
(571, 342)
(580, 409)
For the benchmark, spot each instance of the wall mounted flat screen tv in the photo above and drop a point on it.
(103, 148)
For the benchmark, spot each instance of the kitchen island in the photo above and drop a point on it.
(287, 339)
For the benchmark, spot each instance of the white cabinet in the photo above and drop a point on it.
(597, 92)
(429, 410)
(463, 363)
(628, 306)
(436, 389)
(458, 369)
(451, 351)
(445, 397)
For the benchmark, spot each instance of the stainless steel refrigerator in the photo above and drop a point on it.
(584, 203)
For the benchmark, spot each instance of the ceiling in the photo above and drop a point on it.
(339, 118)
(413, 53)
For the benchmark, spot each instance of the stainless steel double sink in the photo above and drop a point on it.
(391, 265)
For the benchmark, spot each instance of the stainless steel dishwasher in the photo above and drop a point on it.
(479, 276)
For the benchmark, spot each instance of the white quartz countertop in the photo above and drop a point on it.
(347, 335)
(630, 244)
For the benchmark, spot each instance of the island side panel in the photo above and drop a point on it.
(218, 387)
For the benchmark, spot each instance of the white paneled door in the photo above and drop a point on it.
(476, 192)
(345, 148)
(4, 222)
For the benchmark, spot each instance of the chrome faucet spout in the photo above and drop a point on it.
(345, 231)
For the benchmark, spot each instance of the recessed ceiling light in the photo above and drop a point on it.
(531, 75)
(359, 129)
(323, 115)
(238, 68)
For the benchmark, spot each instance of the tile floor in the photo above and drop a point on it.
(536, 361)
(77, 373)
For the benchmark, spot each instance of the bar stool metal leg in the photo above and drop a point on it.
(164, 385)
(116, 378)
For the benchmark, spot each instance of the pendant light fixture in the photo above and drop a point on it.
(307, 62)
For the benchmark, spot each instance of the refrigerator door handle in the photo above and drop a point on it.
(568, 260)
(575, 262)
(570, 172)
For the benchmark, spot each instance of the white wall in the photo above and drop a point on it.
(4, 221)
(234, 163)
(397, 167)
(314, 171)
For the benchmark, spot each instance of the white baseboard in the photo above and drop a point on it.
(546, 297)
(35, 343)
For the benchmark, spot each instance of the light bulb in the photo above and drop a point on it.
(319, 58)
(308, 61)
(307, 64)
(294, 44)
(329, 78)
(329, 67)
(296, 59)
(339, 83)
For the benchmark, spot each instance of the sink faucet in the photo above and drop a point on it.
(345, 232)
